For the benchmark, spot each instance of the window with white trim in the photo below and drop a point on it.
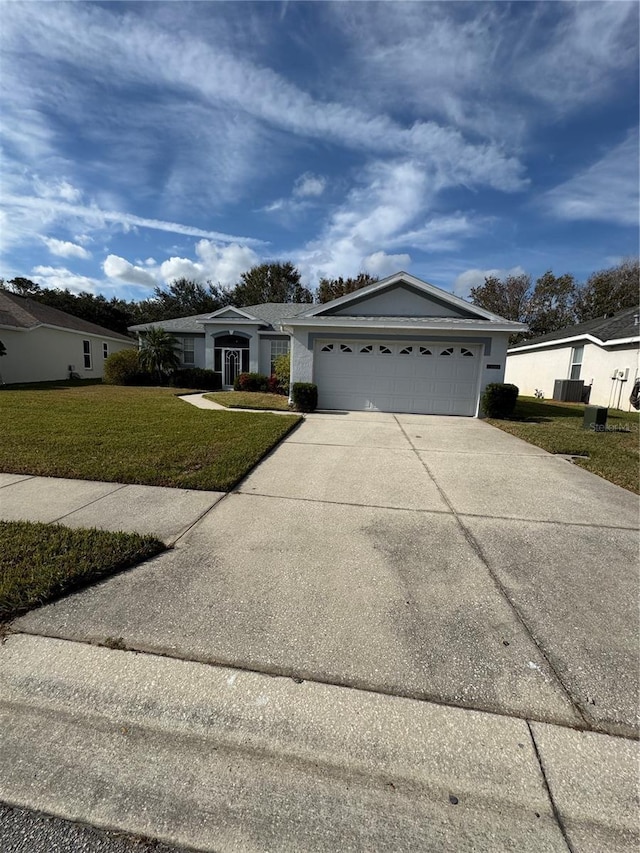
(188, 351)
(577, 354)
(278, 347)
(86, 354)
(105, 349)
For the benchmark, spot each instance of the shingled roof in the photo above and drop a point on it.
(271, 314)
(20, 312)
(611, 328)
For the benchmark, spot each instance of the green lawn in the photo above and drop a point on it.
(557, 427)
(39, 562)
(131, 435)
(250, 400)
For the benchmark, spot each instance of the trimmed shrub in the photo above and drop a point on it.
(122, 368)
(304, 396)
(281, 369)
(251, 382)
(197, 377)
(499, 399)
(273, 385)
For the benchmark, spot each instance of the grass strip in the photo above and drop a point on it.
(250, 400)
(41, 562)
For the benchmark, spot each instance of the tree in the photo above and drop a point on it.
(509, 297)
(185, 297)
(158, 352)
(270, 282)
(610, 290)
(333, 288)
(545, 307)
(23, 286)
(552, 305)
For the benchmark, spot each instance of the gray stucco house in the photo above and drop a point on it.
(399, 345)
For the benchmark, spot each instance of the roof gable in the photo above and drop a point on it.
(401, 295)
(230, 312)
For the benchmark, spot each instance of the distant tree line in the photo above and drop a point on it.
(553, 302)
(550, 303)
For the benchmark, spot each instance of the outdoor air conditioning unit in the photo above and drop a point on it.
(568, 390)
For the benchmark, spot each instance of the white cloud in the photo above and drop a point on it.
(119, 268)
(381, 264)
(224, 264)
(606, 191)
(309, 185)
(307, 189)
(584, 51)
(440, 233)
(60, 189)
(475, 277)
(65, 249)
(94, 216)
(219, 264)
(489, 68)
(62, 278)
(172, 60)
(388, 199)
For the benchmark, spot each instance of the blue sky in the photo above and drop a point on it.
(147, 141)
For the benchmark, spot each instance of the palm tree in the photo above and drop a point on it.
(158, 352)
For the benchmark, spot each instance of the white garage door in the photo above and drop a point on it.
(407, 376)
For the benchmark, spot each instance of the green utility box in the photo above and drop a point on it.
(595, 418)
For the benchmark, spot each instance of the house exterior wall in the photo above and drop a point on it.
(44, 354)
(398, 302)
(538, 369)
(198, 349)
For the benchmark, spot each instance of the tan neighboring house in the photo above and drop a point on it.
(602, 354)
(45, 344)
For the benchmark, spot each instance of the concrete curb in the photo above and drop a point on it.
(219, 759)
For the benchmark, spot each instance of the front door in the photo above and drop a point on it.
(232, 366)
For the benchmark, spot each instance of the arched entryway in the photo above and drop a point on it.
(230, 357)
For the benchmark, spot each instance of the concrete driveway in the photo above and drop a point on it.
(426, 557)
(261, 686)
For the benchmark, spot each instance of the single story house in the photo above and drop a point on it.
(603, 353)
(398, 345)
(44, 343)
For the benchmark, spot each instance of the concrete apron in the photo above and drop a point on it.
(382, 554)
(219, 759)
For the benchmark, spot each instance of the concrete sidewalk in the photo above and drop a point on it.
(162, 512)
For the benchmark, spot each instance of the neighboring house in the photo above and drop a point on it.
(603, 353)
(399, 345)
(44, 343)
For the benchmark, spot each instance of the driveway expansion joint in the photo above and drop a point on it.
(475, 545)
(554, 807)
